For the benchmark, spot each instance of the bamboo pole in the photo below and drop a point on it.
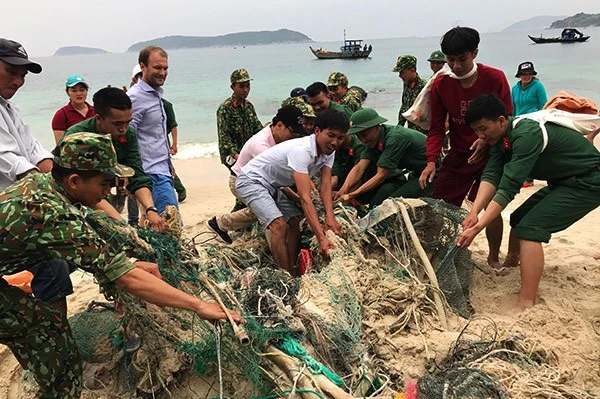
(439, 305)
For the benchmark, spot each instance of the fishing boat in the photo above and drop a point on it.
(568, 35)
(350, 49)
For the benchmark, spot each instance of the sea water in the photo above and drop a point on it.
(198, 79)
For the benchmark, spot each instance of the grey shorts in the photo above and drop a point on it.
(266, 204)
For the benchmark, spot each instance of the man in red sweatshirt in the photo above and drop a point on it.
(450, 96)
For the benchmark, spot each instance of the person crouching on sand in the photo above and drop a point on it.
(520, 148)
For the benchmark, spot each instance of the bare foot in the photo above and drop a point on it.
(511, 260)
(524, 305)
(497, 267)
(597, 257)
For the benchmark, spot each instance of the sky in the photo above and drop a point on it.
(43, 26)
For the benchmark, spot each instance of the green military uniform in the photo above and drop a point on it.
(39, 221)
(340, 108)
(171, 124)
(236, 121)
(410, 90)
(352, 98)
(570, 164)
(345, 159)
(127, 150)
(398, 149)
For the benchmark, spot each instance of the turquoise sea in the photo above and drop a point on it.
(198, 79)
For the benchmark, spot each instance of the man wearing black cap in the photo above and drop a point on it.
(22, 154)
(286, 125)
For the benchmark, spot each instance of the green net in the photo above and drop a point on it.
(334, 322)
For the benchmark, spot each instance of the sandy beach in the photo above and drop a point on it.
(567, 320)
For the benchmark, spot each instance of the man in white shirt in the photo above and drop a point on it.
(287, 124)
(294, 162)
(22, 154)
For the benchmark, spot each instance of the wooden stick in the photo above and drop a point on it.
(237, 330)
(428, 267)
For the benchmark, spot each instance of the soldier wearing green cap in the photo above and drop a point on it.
(45, 216)
(390, 148)
(406, 66)
(437, 60)
(236, 119)
(339, 92)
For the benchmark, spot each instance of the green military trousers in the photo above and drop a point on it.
(556, 207)
(40, 338)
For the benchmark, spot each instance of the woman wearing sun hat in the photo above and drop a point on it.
(77, 110)
(528, 95)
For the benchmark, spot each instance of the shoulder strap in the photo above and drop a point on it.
(542, 127)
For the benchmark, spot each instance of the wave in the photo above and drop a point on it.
(197, 150)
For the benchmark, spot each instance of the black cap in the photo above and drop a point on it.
(298, 92)
(525, 67)
(13, 53)
(291, 117)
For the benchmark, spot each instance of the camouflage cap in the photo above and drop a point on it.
(437, 56)
(336, 79)
(307, 110)
(90, 151)
(239, 75)
(405, 61)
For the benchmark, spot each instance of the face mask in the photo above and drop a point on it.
(468, 75)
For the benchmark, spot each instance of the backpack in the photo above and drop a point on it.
(586, 124)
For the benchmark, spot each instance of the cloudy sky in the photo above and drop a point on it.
(42, 26)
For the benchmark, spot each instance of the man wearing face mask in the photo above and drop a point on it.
(451, 93)
(113, 115)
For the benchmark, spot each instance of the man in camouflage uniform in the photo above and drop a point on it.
(236, 119)
(44, 217)
(308, 114)
(406, 66)
(339, 92)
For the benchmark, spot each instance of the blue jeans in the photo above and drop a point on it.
(51, 280)
(163, 192)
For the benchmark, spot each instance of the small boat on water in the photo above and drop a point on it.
(350, 49)
(568, 35)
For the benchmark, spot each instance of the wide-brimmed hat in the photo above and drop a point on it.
(437, 56)
(364, 119)
(525, 67)
(14, 53)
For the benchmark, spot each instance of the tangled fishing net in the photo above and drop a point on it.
(357, 325)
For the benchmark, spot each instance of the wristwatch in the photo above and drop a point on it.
(151, 209)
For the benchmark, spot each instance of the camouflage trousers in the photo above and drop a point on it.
(40, 338)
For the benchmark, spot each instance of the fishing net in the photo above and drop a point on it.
(334, 333)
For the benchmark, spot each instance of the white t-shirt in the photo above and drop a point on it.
(19, 150)
(258, 143)
(275, 167)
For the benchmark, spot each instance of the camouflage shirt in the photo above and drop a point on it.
(236, 123)
(352, 100)
(409, 95)
(39, 221)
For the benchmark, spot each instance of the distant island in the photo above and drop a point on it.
(580, 20)
(535, 23)
(78, 50)
(232, 39)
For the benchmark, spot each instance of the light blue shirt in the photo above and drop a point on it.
(528, 99)
(150, 123)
